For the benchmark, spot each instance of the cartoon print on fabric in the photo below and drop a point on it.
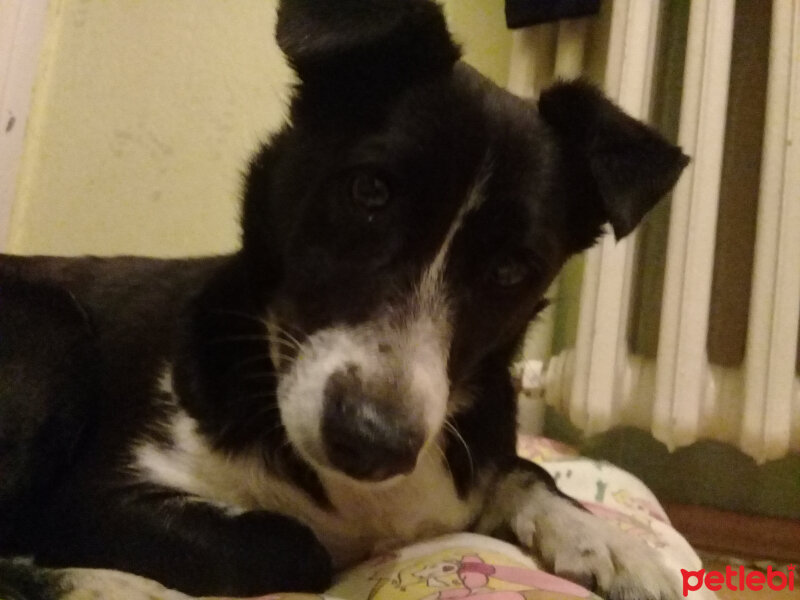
(458, 573)
(292, 596)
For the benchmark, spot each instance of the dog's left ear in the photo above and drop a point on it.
(632, 166)
(359, 43)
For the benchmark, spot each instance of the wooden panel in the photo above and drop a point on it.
(746, 536)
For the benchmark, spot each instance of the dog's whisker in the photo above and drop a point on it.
(291, 338)
(254, 338)
(275, 429)
(268, 410)
(242, 314)
(240, 338)
(259, 375)
(283, 327)
(249, 361)
(268, 395)
(452, 428)
(285, 360)
(297, 329)
(444, 460)
(285, 447)
(286, 344)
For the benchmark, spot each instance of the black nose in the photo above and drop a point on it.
(365, 435)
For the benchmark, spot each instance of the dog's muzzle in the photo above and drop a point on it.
(366, 431)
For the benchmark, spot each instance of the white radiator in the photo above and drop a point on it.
(679, 395)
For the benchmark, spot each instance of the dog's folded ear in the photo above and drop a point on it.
(630, 164)
(356, 42)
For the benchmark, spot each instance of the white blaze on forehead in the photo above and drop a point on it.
(165, 381)
(432, 278)
(424, 349)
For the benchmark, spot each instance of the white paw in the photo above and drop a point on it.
(591, 552)
(112, 585)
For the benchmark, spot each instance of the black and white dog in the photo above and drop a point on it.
(247, 423)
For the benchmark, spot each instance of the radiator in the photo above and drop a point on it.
(679, 394)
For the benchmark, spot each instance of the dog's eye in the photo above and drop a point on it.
(509, 273)
(369, 192)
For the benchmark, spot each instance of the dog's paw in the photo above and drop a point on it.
(583, 548)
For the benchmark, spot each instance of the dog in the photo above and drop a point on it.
(339, 386)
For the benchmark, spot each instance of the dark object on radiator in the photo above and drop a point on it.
(521, 13)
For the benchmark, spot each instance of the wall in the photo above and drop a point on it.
(22, 25)
(145, 113)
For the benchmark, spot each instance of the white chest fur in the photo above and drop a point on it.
(363, 519)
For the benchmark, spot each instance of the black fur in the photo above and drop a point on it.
(47, 378)
(21, 580)
(381, 93)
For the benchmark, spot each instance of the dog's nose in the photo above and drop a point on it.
(365, 437)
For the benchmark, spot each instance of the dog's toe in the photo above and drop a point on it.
(588, 565)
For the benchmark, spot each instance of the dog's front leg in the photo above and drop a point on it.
(572, 542)
(184, 543)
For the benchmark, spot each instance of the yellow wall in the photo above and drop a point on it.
(145, 112)
(480, 27)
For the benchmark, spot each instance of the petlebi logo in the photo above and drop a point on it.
(737, 579)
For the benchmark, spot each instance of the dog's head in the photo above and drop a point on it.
(408, 220)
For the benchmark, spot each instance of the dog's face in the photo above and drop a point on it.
(410, 218)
